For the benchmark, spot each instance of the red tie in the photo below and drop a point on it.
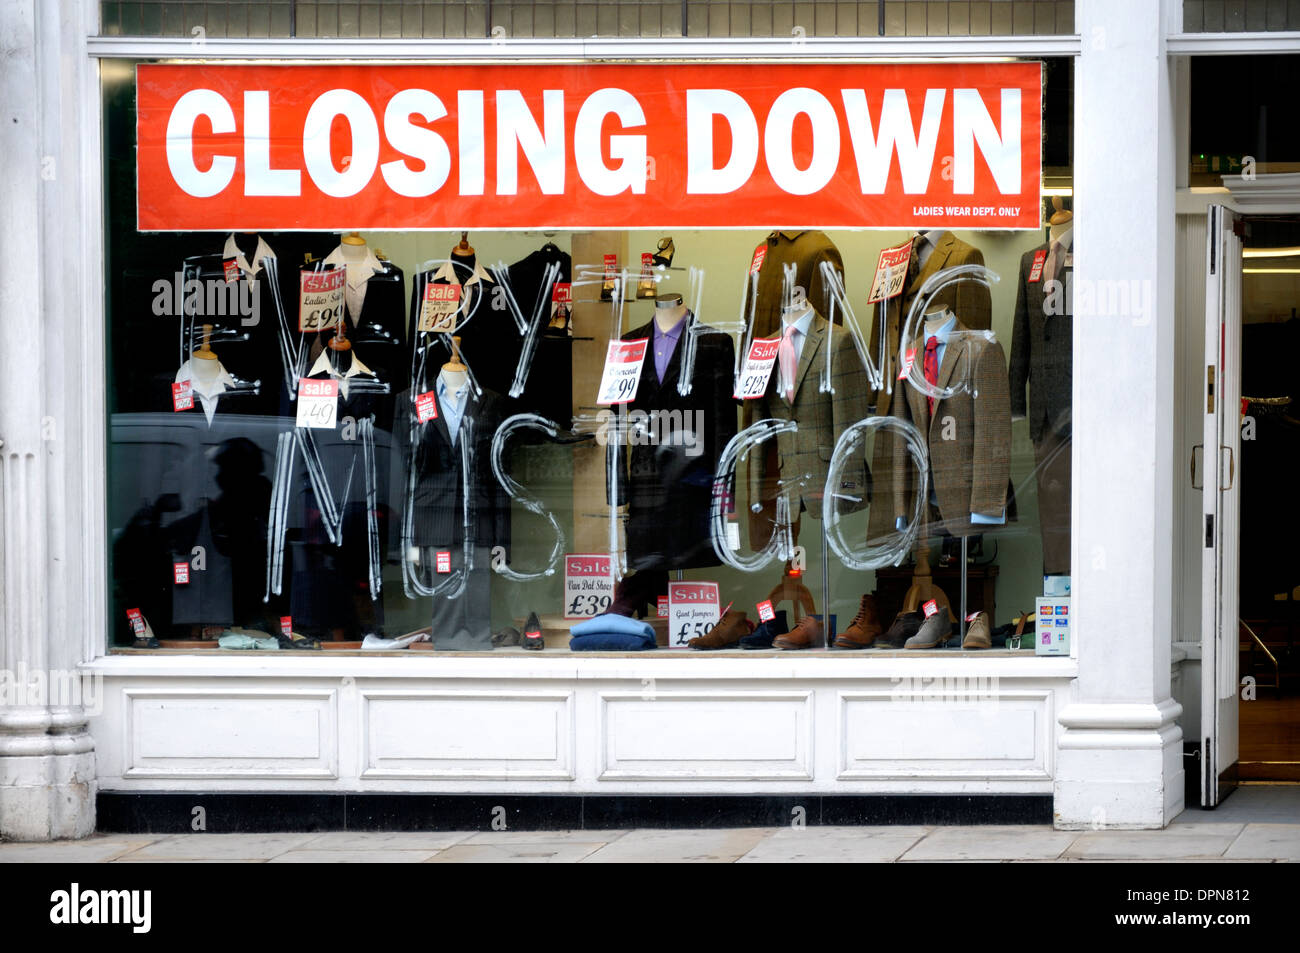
(932, 366)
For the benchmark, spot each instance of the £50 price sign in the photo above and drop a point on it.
(692, 610)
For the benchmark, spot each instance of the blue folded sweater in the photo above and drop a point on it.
(611, 633)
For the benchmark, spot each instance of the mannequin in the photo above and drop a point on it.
(669, 311)
(454, 374)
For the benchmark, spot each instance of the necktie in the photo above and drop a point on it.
(932, 366)
(1054, 258)
(785, 354)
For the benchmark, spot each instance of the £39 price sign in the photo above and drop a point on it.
(758, 368)
(588, 585)
(692, 610)
(622, 371)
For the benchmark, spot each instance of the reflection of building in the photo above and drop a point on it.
(1104, 726)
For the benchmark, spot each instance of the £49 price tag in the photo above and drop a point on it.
(588, 585)
(692, 610)
(758, 369)
(891, 272)
(622, 373)
(318, 403)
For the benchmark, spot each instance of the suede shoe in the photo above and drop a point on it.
(933, 631)
(904, 626)
(765, 633)
(864, 629)
(806, 633)
(978, 635)
(729, 630)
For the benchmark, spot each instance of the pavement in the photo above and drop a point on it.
(1256, 824)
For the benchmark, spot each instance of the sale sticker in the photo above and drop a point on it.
(908, 360)
(1036, 269)
(182, 396)
(611, 272)
(646, 286)
(891, 272)
(181, 572)
(973, 616)
(756, 262)
(693, 610)
(286, 625)
(231, 269)
(137, 621)
(661, 607)
(320, 299)
(757, 369)
(622, 372)
(440, 307)
(426, 407)
(765, 611)
(930, 608)
(588, 584)
(561, 301)
(318, 403)
(442, 561)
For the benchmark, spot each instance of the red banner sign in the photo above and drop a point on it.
(588, 146)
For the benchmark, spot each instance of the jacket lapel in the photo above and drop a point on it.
(648, 386)
(812, 343)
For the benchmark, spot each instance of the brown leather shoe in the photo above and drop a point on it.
(863, 630)
(807, 633)
(978, 635)
(731, 628)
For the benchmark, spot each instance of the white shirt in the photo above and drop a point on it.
(262, 251)
(208, 386)
(358, 273)
(325, 365)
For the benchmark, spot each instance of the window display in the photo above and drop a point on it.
(547, 438)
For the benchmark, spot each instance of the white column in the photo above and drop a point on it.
(1120, 757)
(48, 410)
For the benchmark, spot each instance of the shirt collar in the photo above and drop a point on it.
(209, 388)
(323, 365)
(1066, 239)
(801, 325)
(449, 274)
(443, 393)
(942, 333)
(262, 251)
(358, 272)
(674, 333)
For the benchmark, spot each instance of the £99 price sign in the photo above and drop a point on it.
(622, 372)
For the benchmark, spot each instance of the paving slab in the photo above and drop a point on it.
(517, 852)
(374, 856)
(834, 845)
(992, 843)
(1150, 845)
(1267, 841)
(98, 849)
(544, 837)
(222, 846)
(374, 840)
(693, 846)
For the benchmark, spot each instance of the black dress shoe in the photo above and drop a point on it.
(533, 633)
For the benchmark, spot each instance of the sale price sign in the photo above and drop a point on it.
(693, 610)
(891, 272)
(439, 309)
(318, 403)
(588, 585)
(320, 299)
(622, 373)
(758, 369)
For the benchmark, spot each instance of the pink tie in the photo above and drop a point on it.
(1053, 260)
(785, 354)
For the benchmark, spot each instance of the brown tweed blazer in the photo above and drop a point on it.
(969, 435)
(821, 419)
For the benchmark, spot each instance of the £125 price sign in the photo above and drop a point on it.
(588, 585)
(692, 610)
(622, 371)
(758, 368)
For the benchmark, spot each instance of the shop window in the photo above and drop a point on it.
(1240, 118)
(459, 19)
(416, 437)
(1240, 16)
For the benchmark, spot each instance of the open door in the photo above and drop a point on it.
(1222, 522)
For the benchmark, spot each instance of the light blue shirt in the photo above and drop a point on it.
(452, 406)
(941, 335)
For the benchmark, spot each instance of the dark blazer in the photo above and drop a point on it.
(425, 451)
(821, 419)
(1042, 356)
(669, 492)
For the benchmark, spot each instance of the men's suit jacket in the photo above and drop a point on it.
(821, 419)
(970, 456)
(1042, 351)
(969, 300)
(806, 251)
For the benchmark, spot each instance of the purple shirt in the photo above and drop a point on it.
(664, 345)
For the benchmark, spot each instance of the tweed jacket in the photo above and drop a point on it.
(821, 419)
(969, 300)
(970, 455)
(806, 251)
(1041, 370)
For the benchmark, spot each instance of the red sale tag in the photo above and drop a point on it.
(286, 624)
(137, 621)
(930, 608)
(972, 617)
(765, 611)
(320, 299)
(622, 374)
(182, 396)
(662, 606)
(757, 262)
(757, 370)
(562, 293)
(180, 572)
(231, 269)
(442, 562)
(1036, 269)
(611, 266)
(908, 361)
(440, 308)
(891, 272)
(426, 407)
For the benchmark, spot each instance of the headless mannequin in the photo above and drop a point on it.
(669, 312)
(204, 366)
